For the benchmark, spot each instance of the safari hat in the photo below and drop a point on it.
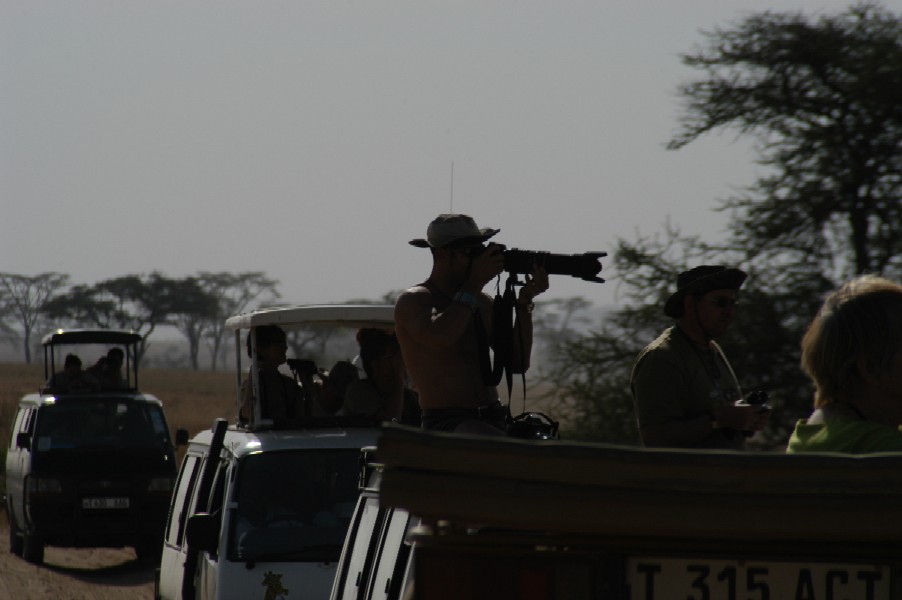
(449, 228)
(701, 280)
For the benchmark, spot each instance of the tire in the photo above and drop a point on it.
(16, 543)
(149, 551)
(33, 549)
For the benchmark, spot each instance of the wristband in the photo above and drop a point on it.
(467, 299)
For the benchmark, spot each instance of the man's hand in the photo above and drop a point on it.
(536, 283)
(745, 417)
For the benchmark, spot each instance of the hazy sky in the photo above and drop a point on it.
(312, 140)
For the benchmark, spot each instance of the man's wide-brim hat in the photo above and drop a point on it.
(702, 280)
(449, 228)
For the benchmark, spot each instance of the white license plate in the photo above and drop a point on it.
(654, 578)
(104, 503)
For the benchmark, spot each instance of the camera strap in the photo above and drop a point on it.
(502, 340)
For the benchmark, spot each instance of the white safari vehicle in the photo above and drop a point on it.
(262, 512)
(447, 516)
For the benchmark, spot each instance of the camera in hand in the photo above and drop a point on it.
(302, 366)
(758, 398)
(585, 266)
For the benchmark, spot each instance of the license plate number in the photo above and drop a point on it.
(701, 579)
(94, 503)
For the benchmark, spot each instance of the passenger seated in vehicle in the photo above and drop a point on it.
(335, 385)
(281, 398)
(108, 370)
(853, 353)
(71, 378)
(384, 394)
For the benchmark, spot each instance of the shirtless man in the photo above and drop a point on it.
(436, 321)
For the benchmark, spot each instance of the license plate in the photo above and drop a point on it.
(702, 579)
(90, 503)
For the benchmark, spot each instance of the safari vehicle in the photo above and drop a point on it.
(260, 510)
(518, 519)
(93, 467)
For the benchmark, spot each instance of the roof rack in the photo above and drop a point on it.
(126, 338)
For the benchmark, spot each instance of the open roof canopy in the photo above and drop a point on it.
(327, 315)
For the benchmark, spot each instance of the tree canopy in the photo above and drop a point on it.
(823, 100)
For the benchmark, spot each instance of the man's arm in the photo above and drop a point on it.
(413, 309)
(522, 342)
(413, 315)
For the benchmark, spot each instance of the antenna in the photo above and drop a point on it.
(451, 209)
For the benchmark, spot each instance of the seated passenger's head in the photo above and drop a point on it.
(272, 344)
(115, 357)
(853, 348)
(380, 354)
(72, 363)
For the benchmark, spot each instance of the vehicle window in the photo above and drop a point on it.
(293, 505)
(392, 557)
(352, 574)
(217, 494)
(178, 513)
(99, 424)
(17, 427)
(29, 420)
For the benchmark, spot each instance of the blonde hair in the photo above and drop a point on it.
(862, 320)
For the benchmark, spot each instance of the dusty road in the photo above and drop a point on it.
(70, 574)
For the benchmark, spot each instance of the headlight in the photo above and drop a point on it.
(44, 485)
(160, 484)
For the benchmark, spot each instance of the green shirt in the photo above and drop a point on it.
(841, 434)
(674, 380)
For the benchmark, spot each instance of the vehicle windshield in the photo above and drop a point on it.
(293, 505)
(107, 423)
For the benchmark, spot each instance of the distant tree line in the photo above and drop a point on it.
(197, 306)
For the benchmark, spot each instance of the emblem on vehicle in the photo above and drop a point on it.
(273, 584)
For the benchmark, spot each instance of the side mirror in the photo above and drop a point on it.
(202, 532)
(181, 437)
(23, 440)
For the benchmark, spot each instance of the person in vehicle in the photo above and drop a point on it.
(684, 390)
(383, 394)
(72, 378)
(436, 323)
(281, 399)
(852, 352)
(108, 369)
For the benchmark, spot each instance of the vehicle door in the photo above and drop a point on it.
(172, 563)
(18, 462)
(211, 570)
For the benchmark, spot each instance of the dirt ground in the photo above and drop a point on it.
(74, 574)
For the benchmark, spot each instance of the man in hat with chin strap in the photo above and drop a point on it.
(684, 390)
(436, 325)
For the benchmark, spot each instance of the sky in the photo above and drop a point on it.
(311, 140)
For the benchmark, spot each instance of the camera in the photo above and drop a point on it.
(584, 266)
(302, 366)
(758, 398)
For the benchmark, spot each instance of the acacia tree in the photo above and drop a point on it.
(22, 299)
(233, 293)
(823, 99)
(824, 102)
(137, 302)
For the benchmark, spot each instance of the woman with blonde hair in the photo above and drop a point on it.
(853, 353)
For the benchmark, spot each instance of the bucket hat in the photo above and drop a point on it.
(701, 280)
(449, 228)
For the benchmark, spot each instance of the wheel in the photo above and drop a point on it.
(149, 550)
(33, 549)
(16, 542)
